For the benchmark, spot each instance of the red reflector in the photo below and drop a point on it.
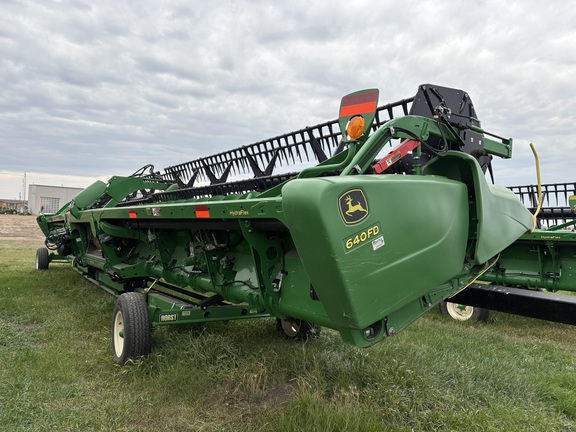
(359, 104)
(355, 99)
(358, 109)
(202, 211)
(132, 214)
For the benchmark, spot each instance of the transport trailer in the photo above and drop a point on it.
(394, 217)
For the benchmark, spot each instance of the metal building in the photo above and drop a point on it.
(49, 199)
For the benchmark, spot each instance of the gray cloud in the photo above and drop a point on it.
(101, 88)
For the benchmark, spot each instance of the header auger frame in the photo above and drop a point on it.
(344, 244)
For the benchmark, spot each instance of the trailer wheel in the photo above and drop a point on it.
(131, 328)
(461, 312)
(297, 329)
(42, 259)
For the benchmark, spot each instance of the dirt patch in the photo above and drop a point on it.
(243, 400)
(20, 232)
(277, 396)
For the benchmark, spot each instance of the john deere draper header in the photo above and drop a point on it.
(395, 216)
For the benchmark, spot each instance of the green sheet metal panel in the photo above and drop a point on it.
(499, 217)
(372, 244)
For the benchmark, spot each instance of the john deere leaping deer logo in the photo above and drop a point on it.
(353, 206)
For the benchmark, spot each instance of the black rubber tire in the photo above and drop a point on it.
(464, 313)
(297, 329)
(42, 259)
(131, 328)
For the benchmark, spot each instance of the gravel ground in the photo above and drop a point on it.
(20, 232)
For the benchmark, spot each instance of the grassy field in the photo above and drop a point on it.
(57, 371)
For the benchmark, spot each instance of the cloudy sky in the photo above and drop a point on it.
(91, 89)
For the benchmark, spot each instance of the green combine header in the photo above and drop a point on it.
(393, 217)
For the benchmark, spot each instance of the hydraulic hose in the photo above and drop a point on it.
(535, 215)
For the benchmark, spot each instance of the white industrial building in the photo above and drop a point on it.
(49, 199)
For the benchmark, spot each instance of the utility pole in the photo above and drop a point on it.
(22, 204)
(24, 187)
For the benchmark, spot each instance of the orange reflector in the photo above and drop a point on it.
(355, 128)
(132, 214)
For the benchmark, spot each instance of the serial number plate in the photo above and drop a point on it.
(168, 317)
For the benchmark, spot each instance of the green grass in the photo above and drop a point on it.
(57, 371)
